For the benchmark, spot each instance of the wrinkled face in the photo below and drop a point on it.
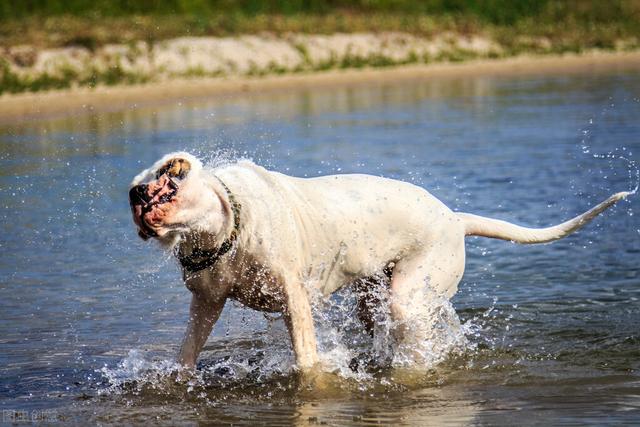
(166, 198)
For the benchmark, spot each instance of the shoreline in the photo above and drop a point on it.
(15, 108)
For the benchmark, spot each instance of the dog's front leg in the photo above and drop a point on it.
(203, 314)
(299, 321)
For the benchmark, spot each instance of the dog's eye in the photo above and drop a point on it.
(175, 168)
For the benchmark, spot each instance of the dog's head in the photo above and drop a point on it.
(173, 197)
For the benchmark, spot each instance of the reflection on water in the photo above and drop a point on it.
(91, 316)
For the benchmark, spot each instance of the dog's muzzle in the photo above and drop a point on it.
(142, 202)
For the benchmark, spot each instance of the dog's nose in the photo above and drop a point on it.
(138, 195)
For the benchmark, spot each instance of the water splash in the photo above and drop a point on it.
(140, 374)
(435, 332)
(633, 169)
(136, 371)
(621, 153)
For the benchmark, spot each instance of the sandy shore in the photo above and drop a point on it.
(21, 107)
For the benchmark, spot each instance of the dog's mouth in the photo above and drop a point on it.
(144, 200)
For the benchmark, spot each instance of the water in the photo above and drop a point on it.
(91, 316)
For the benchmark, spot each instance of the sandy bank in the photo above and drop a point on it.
(15, 108)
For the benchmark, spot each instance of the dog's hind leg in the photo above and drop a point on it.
(365, 304)
(372, 303)
(434, 272)
(369, 294)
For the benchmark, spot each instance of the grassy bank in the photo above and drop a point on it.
(568, 24)
(27, 28)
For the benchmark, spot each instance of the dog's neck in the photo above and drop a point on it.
(202, 249)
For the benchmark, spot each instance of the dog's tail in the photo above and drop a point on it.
(480, 226)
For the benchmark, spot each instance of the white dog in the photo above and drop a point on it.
(265, 239)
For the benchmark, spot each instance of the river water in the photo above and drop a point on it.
(91, 316)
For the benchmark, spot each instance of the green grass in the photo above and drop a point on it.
(501, 12)
(11, 82)
(92, 23)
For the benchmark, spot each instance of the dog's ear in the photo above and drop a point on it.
(175, 168)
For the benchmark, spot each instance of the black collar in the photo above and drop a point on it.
(199, 259)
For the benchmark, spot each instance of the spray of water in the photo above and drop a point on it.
(346, 350)
(633, 170)
(434, 332)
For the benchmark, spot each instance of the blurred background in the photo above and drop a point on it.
(425, 31)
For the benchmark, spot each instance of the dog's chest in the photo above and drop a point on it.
(255, 285)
